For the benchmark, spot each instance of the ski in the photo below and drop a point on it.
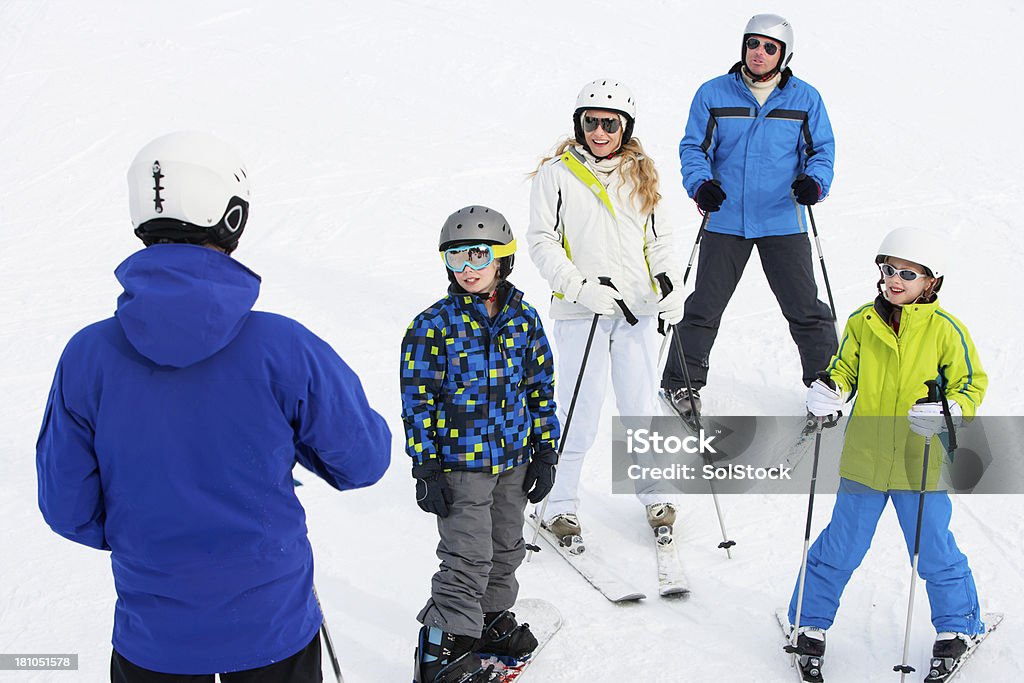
(672, 581)
(544, 620)
(592, 567)
(806, 669)
(937, 672)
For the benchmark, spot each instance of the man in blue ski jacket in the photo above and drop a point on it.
(171, 431)
(758, 148)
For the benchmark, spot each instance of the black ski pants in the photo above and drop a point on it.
(301, 667)
(786, 260)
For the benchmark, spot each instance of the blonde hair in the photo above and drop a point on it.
(634, 165)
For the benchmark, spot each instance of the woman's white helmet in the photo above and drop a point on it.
(771, 26)
(188, 187)
(607, 94)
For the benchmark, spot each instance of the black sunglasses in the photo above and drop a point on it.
(590, 124)
(769, 48)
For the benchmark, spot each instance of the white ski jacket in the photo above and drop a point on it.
(581, 229)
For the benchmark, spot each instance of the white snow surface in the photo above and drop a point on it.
(364, 125)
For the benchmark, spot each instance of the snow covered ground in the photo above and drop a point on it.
(366, 124)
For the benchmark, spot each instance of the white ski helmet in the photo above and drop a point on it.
(188, 187)
(770, 26)
(917, 245)
(607, 94)
(480, 225)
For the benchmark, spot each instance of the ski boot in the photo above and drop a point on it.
(661, 517)
(810, 653)
(680, 400)
(503, 637)
(443, 657)
(566, 528)
(947, 653)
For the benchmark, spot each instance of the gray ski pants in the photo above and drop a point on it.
(480, 549)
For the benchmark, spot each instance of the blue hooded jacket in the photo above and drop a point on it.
(169, 439)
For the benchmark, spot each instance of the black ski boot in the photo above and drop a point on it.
(443, 657)
(947, 653)
(680, 400)
(505, 638)
(810, 653)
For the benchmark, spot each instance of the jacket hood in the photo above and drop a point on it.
(183, 303)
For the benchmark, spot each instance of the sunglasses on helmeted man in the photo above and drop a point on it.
(590, 124)
(904, 273)
(769, 48)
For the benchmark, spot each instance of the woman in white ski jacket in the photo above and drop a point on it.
(592, 216)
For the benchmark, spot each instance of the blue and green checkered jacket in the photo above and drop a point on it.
(478, 393)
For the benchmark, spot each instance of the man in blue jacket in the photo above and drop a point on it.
(171, 431)
(758, 148)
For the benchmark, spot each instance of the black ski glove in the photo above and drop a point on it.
(432, 494)
(709, 196)
(806, 190)
(540, 475)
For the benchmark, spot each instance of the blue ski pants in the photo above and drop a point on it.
(841, 547)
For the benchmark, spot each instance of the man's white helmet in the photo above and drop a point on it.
(917, 245)
(607, 94)
(771, 26)
(188, 187)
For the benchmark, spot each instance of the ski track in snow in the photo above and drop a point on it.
(364, 126)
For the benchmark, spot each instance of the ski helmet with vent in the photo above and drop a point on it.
(609, 95)
(919, 246)
(189, 187)
(770, 26)
(480, 225)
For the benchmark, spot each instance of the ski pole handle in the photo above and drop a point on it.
(630, 318)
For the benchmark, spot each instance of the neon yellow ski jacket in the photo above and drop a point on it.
(887, 371)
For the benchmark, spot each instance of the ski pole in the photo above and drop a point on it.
(792, 647)
(677, 344)
(821, 260)
(532, 547)
(904, 668)
(686, 275)
(327, 640)
(693, 252)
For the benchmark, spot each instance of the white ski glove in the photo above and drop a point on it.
(598, 298)
(823, 400)
(927, 419)
(670, 309)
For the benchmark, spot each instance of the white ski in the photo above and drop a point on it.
(672, 581)
(544, 620)
(992, 620)
(594, 569)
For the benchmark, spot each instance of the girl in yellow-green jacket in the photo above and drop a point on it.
(889, 349)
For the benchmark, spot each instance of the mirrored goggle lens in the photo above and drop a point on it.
(905, 274)
(769, 48)
(477, 257)
(590, 124)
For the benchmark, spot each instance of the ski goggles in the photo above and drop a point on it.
(905, 273)
(769, 48)
(611, 126)
(476, 256)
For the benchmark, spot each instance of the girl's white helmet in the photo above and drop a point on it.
(188, 187)
(917, 245)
